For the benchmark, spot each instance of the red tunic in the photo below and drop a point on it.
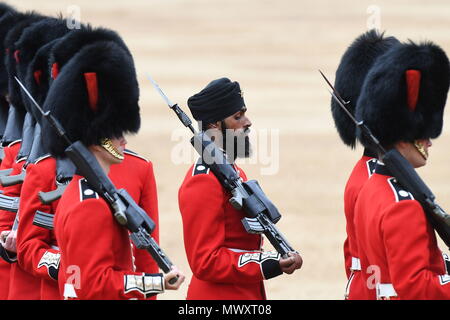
(6, 222)
(226, 261)
(356, 287)
(135, 174)
(397, 242)
(22, 285)
(6, 217)
(96, 252)
(38, 250)
(10, 152)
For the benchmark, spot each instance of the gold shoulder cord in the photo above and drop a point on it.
(108, 146)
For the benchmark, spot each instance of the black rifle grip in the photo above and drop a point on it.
(51, 196)
(7, 181)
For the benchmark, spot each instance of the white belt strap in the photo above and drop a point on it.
(356, 264)
(69, 291)
(242, 250)
(385, 291)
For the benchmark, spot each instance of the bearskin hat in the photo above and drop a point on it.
(7, 21)
(37, 79)
(8, 18)
(5, 8)
(95, 96)
(353, 68)
(75, 40)
(12, 59)
(404, 94)
(34, 37)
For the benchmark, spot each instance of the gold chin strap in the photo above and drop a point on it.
(421, 149)
(108, 146)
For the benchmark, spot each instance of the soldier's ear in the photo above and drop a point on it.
(215, 125)
(95, 148)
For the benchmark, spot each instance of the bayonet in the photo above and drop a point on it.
(46, 115)
(162, 94)
(174, 106)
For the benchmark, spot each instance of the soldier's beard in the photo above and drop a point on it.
(236, 143)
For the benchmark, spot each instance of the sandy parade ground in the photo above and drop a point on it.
(274, 49)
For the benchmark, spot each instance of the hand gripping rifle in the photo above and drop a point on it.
(125, 209)
(404, 173)
(248, 196)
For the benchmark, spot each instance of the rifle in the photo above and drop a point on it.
(248, 196)
(125, 210)
(404, 173)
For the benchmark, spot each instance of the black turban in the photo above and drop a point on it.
(220, 99)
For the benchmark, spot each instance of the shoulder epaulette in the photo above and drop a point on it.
(399, 192)
(200, 168)
(42, 158)
(132, 153)
(86, 191)
(371, 165)
(14, 142)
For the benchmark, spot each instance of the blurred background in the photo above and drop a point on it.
(274, 50)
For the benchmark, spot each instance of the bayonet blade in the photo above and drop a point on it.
(29, 95)
(337, 97)
(334, 89)
(333, 94)
(160, 91)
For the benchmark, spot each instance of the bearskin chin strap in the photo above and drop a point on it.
(419, 146)
(108, 146)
